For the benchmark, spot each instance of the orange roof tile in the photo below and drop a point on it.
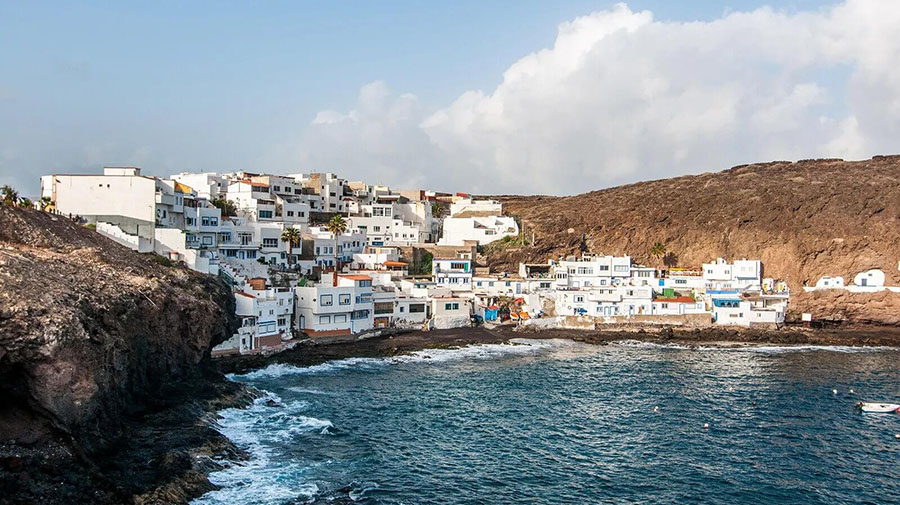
(356, 277)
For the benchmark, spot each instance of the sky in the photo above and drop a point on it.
(489, 97)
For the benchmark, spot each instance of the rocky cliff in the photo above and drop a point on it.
(93, 339)
(803, 220)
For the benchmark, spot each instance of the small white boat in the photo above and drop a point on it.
(879, 408)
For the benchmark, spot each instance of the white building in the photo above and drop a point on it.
(452, 273)
(451, 312)
(749, 311)
(870, 278)
(456, 231)
(743, 274)
(349, 244)
(141, 212)
(496, 286)
(593, 270)
(324, 309)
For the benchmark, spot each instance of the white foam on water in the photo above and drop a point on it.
(256, 429)
(279, 369)
(478, 351)
(757, 348)
(308, 391)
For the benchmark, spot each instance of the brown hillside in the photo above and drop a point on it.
(803, 219)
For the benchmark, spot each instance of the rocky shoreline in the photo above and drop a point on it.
(313, 352)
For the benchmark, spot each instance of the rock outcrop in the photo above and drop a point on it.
(803, 220)
(93, 338)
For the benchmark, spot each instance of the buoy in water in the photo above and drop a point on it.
(705, 426)
(897, 436)
(851, 391)
(655, 409)
(834, 391)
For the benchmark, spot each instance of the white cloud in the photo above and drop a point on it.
(622, 97)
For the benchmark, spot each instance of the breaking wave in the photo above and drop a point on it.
(256, 429)
(478, 351)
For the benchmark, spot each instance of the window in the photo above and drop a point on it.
(207, 240)
(665, 305)
(270, 242)
(344, 299)
(340, 318)
(416, 307)
(231, 253)
(324, 319)
(365, 284)
(680, 281)
(276, 188)
(267, 328)
(603, 268)
(585, 271)
(620, 268)
(384, 307)
(579, 299)
(290, 213)
(458, 266)
(451, 306)
(281, 321)
(251, 255)
(326, 300)
(265, 214)
(359, 314)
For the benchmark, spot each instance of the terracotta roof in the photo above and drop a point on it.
(677, 299)
(244, 294)
(356, 277)
(254, 184)
(394, 264)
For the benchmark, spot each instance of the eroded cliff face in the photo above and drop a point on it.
(93, 334)
(803, 220)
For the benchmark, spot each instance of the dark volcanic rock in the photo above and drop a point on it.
(93, 339)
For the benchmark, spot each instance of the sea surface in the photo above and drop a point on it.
(553, 421)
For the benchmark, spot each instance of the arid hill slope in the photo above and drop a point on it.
(803, 219)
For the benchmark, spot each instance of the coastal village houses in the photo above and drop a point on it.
(395, 263)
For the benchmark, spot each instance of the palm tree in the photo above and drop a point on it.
(658, 251)
(292, 237)
(437, 210)
(10, 195)
(336, 226)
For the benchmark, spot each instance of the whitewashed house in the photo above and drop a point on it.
(742, 274)
(873, 278)
(324, 309)
(450, 312)
(453, 273)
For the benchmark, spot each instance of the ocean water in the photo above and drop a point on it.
(553, 422)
